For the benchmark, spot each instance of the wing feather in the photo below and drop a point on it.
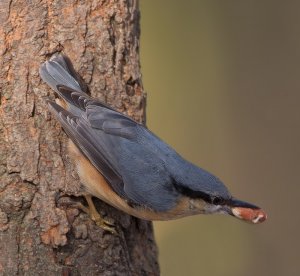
(132, 169)
(80, 135)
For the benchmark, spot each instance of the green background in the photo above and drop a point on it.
(223, 84)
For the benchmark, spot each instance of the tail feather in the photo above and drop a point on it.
(59, 74)
(58, 71)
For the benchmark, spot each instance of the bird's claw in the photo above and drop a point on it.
(97, 218)
(92, 212)
(105, 225)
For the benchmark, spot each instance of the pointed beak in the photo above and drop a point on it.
(245, 211)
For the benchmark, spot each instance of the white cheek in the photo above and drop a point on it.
(212, 209)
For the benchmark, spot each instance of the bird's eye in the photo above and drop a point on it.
(217, 200)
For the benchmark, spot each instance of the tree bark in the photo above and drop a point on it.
(38, 235)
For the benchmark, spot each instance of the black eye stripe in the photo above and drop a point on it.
(197, 194)
(190, 193)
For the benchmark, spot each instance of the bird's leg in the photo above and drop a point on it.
(93, 213)
(96, 217)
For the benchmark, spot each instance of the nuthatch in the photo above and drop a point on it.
(124, 164)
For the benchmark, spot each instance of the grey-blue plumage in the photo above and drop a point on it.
(139, 166)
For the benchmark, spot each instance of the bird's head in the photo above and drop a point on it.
(211, 196)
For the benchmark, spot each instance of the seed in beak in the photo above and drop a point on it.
(250, 215)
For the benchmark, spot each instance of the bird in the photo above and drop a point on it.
(124, 164)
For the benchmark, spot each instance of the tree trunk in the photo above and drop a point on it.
(38, 235)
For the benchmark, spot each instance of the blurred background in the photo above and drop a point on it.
(223, 84)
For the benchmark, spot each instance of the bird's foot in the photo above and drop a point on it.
(97, 218)
(104, 224)
(94, 214)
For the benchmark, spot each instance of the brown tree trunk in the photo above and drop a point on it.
(37, 234)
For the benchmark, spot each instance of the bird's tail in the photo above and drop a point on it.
(59, 71)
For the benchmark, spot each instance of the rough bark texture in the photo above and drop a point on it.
(38, 235)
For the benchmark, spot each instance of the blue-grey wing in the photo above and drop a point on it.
(79, 132)
(145, 176)
(112, 142)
